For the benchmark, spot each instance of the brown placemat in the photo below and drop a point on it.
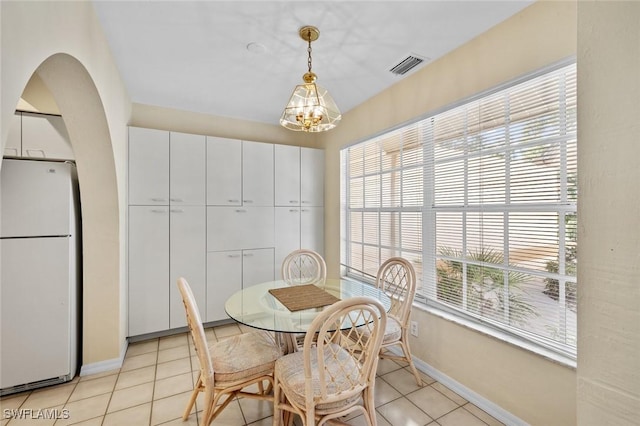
(299, 297)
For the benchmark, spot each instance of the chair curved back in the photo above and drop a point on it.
(197, 332)
(304, 266)
(397, 278)
(344, 369)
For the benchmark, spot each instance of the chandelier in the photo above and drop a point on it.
(311, 108)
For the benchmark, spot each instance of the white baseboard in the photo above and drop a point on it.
(106, 365)
(481, 402)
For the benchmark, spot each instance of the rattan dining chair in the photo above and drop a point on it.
(334, 375)
(300, 267)
(304, 266)
(397, 278)
(228, 366)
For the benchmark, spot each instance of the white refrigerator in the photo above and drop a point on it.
(40, 275)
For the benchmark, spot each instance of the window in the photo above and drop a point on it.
(481, 198)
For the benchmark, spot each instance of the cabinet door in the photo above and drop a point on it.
(257, 266)
(187, 173)
(224, 277)
(13, 148)
(187, 258)
(236, 228)
(257, 174)
(287, 175)
(148, 166)
(312, 177)
(45, 136)
(148, 269)
(312, 229)
(224, 172)
(287, 234)
(257, 229)
(224, 225)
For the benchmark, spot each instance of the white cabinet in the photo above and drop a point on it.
(287, 175)
(312, 228)
(167, 173)
(148, 269)
(230, 271)
(36, 135)
(297, 227)
(311, 177)
(148, 166)
(166, 168)
(13, 148)
(165, 243)
(45, 136)
(236, 228)
(287, 234)
(299, 176)
(299, 185)
(239, 173)
(222, 213)
(224, 277)
(257, 173)
(187, 257)
(224, 172)
(257, 266)
(187, 169)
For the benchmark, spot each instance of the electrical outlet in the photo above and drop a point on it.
(414, 328)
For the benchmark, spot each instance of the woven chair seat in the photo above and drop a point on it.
(343, 369)
(243, 357)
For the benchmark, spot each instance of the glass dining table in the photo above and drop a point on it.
(257, 307)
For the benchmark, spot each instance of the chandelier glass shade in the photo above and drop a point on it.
(310, 108)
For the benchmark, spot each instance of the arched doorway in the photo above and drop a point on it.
(81, 107)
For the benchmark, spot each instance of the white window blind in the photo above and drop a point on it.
(482, 199)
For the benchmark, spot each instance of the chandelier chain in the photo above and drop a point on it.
(309, 51)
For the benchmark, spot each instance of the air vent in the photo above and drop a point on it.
(406, 65)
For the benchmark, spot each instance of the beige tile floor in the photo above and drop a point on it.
(157, 377)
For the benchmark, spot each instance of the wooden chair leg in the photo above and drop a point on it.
(192, 400)
(407, 355)
(370, 407)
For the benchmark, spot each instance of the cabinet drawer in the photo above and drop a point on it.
(236, 228)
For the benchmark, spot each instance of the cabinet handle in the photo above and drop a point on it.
(248, 254)
(158, 211)
(233, 201)
(176, 210)
(248, 201)
(293, 210)
(233, 255)
(306, 202)
(158, 199)
(37, 153)
(293, 201)
(306, 210)
(178, 200)
(241, 211)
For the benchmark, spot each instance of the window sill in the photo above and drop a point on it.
(503, 336)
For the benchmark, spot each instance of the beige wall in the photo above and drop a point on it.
(63, 43)
(609, 213)
(535, 389)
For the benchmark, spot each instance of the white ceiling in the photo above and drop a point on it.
(193, 55)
